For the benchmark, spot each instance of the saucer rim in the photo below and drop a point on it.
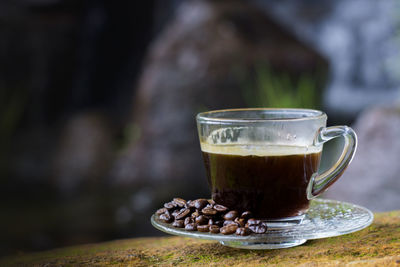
(274, 234)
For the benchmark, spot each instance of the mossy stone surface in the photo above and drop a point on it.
(377, 245)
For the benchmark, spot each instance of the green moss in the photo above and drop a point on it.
(380, 240)
(202, 258)
(168, 256)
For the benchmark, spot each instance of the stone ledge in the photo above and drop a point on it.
(377, 245)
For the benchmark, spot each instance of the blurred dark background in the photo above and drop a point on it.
(98, 102)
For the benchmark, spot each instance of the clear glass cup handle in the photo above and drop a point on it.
(320, 182)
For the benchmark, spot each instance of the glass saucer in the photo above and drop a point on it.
(325, 218)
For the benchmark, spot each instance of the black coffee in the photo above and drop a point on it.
(271, 186)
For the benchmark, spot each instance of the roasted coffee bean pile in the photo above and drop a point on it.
(206, 216)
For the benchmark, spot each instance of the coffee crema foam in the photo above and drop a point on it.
(257, 149)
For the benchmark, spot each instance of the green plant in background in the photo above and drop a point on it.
(273, 89)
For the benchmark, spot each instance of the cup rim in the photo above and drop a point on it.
(308, 114)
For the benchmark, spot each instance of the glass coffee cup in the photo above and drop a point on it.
(266, 160)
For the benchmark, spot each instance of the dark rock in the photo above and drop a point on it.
(196, 64)
(372, 179)
(84, 152)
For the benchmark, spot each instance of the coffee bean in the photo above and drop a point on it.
(228, 222)
(219, 223)
(195, 214)
(209, 206)
(214, 229)
(215, 221)
(188, 220)
(201, 220)
(175, 212)
(179, 202)
(161, 211)
(191, 227)
(206, 216)
(166, 217)
(190, 203)
(182, 213)
(231, 215)
(229, 229)
(246, 215)
(253, 221)
(243, 231)
(170, 205)
(220, 208)
(209, 211)
(258, 228)
(200, 203)
(178, 224)
(203, 228)
(240, 221)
